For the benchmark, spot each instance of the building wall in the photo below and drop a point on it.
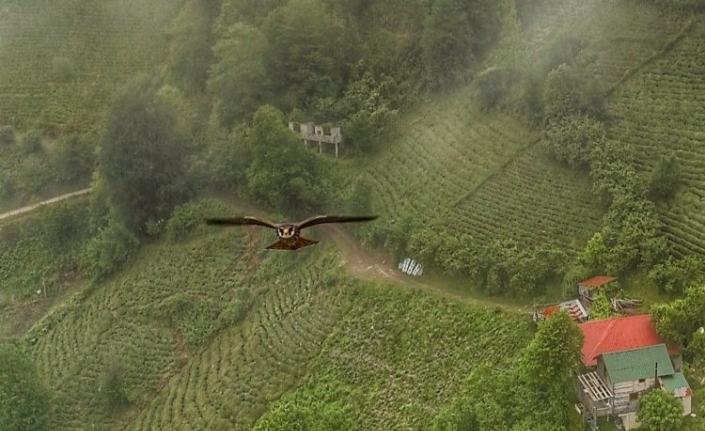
(687, 405)
(630, 421)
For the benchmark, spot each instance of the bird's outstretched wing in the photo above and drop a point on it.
(321, 219)
(241, 221)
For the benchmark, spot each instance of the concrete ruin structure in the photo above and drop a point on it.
(311, 133)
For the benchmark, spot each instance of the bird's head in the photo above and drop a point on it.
(285, 232)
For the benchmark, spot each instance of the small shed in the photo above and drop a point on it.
(588, 288)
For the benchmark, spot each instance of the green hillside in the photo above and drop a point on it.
(139, 317)
(61, 61)
(208, 333)
(659, 112)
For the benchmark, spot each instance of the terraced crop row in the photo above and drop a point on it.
(659, 112)
(231, 381)
(399, 356)
(446, 151)
(533, 201)
(99, 43)
(127, 324)
(622, 36)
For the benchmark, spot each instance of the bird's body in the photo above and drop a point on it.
(289, 234)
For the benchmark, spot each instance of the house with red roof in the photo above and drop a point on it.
(622, 333)
(626, 358)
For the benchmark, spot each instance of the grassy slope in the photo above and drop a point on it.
(166, 323)
(479, 172)
(399, 356)
(103, 43)
(659, 112)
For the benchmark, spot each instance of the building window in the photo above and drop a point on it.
(634, 396)
(642, 380)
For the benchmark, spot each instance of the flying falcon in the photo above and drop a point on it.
(289, 234)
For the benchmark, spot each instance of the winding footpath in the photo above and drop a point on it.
(359, 262)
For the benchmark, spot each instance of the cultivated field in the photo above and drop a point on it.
(661, 111)
(532, 200)
(60, 60)
(397, 357)
(446, 151)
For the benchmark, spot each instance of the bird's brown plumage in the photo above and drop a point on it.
(289, 234)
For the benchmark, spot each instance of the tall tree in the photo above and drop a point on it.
(309, 54)
(548, 362)
(238, 78)
(283, 173)
(24, 401)
(660, 411)
(447, 43)
(190, 51)
(142, 156)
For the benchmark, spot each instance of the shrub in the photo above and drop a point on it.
(7, 136)
(24, 401)
(112, 387)
(665, 178)
(31, 141)
(109, 250)
(674, 276)
(187, 217)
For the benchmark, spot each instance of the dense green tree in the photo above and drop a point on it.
(314, 415)
(109, 250)
(309, 54)
(447, 43)
(73, 160)
(24, 400)
(369, 107)
(570, 139)
(678, 320)
(142, 156)
(238, 78)
(601, 308)
(632, 234)
(674, 276)
(284, 174)
(660, 411)
(665, 178)
(548, 363)
(190, 51)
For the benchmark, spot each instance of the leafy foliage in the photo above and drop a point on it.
(550, 361)
(665, 178)
(675, 276)
(24, 400)
(678, 320)
(238, 77)
(660, 411)
(105, 253)
(307, 62)
(142, 157)
(601, 308)
(36, 251)
(190, 52)
(283, 174)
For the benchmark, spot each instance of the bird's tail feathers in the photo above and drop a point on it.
(292, 244)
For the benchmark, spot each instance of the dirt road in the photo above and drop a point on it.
(23, 210)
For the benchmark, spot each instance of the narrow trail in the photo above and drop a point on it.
(23, 210)
(361, 263)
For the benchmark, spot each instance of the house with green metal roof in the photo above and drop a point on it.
(622, 377)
